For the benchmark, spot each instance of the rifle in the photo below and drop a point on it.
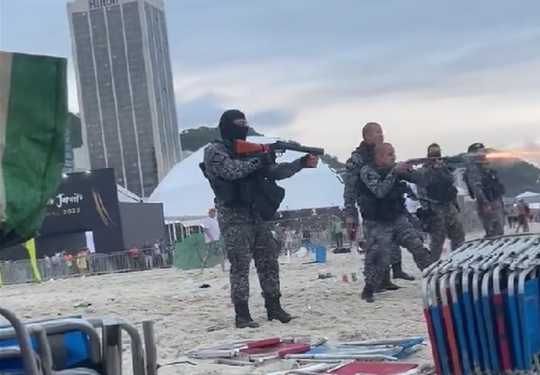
(415, 197)
(458, 159)
(246, 148)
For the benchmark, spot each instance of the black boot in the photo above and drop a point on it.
(398, 272)
(243, 317)
(274, 309)
(387, 284)
(367, 293)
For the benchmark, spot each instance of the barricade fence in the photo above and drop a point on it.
(295, 232)
(20, 271)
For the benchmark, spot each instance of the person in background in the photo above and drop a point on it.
(337, 232)
(523, 217)
(68, 263)
(165, 252)
(148, 255)
(82, 264)
(306, 236)
(134, 258)
(289, 241)
(508, 214)
(212, 239)
(279, 236)
(158, 258)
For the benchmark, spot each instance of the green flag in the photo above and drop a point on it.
(33, 117)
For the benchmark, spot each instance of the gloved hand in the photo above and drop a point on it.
(309, 161)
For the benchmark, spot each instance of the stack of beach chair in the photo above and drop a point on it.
(302, 356)
(482, 307)
(74, 346)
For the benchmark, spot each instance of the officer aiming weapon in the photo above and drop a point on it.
(246, 148)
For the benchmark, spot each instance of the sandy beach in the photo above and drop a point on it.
(187, 316)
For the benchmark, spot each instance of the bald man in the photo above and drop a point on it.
(384, 213)
(372, 134)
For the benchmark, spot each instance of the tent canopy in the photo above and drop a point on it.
(185, 191)
(528, 194)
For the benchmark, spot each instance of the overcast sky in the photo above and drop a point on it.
(453, 72)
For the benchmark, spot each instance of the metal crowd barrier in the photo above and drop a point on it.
(482, 307)
(74, 346)
(296, 241)
(20, 271)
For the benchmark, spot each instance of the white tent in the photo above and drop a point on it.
(185, 192)
(528, 194)
(528, 197)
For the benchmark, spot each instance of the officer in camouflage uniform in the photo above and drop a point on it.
(440, 198)
(384, 214)
(486, 188)
(245, 235)
(372, 135)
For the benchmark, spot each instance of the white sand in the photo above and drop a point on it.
(188, 317)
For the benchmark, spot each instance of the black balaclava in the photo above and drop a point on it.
(434, 151)
(228, 129)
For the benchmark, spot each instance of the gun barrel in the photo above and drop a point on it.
(444, 159)
(286, 146)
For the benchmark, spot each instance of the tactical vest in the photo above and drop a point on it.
(228, 192)
(442, 188)
(256, 191)
(385, 209)
(492, 187)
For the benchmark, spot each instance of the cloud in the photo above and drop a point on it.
(317, 70)
(206, 110)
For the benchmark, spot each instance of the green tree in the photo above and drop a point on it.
(518, 176)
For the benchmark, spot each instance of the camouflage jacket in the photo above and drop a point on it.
(474, 179)
(219, 163)
(429, 176)
(352, 175)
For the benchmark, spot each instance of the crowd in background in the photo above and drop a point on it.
(83, 262)
(520, 215)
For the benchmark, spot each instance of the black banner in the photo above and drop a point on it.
(87, 201)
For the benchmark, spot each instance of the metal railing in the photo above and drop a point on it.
(20, 271)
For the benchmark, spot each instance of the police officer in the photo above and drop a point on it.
(244, 233)
(486, 188)
(440, 198)
(384, 215)
(372, 134)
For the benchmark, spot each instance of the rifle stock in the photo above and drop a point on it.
(244, 147)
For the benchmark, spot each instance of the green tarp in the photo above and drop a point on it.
(33, 117)
(189, 253)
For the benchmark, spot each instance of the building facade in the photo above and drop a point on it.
(125, 89)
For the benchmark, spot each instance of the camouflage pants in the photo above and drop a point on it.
(445, 223)
(244, 242)
(395, 253)
(382, 238)
(493, 220)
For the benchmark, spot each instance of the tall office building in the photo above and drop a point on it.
(125, 89)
